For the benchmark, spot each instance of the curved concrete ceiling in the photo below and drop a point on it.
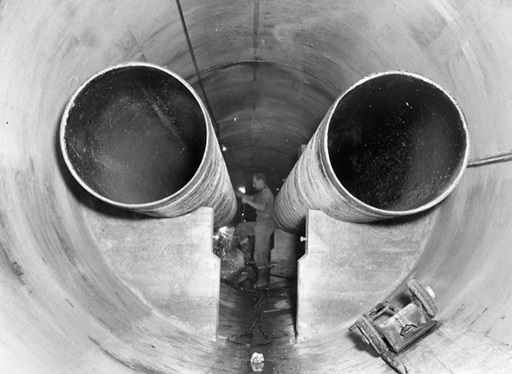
(271, 69)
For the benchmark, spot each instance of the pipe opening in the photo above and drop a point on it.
(134, 134)
(397, 142)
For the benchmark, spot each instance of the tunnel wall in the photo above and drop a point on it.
(467, 256)
(62, 307)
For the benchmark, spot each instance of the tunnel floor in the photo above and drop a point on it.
(255, 318)
(337, 351)
(260, 319)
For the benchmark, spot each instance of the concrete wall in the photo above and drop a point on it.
(169, 263)
(348, 268)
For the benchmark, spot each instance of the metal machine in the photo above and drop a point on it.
(391, 330)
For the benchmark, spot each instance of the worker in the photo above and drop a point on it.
(263, 203)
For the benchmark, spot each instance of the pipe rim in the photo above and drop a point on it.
(384, 212)
(82, 183)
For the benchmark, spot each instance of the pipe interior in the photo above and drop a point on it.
(396, 142)
(271, 71)
(135, 134)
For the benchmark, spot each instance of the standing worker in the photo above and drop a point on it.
(263, 202)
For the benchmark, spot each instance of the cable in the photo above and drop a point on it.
(282, 276)
(257, 320)
(496, 158)
(198, 74)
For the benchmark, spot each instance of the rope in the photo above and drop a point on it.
(196, 68)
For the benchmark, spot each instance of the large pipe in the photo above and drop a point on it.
(137, 136)
(393, 144)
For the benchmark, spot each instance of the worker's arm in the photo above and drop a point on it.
(245, 198)
(248, 200)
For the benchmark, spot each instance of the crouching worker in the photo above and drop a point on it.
(263, 203)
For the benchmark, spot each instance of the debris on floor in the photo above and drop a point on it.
(257, 362)
(235, 247)
(242, 279)
(223, 241)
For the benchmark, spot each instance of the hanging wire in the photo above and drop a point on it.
(196, 68)
(494, 159)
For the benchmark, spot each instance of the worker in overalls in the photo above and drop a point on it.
(263, 203)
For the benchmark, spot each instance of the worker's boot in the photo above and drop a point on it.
(263, 277)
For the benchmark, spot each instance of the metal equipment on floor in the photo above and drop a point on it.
(390, 336)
